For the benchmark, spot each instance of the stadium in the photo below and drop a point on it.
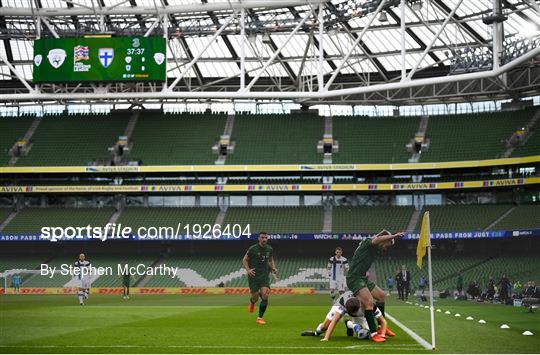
(214, 176)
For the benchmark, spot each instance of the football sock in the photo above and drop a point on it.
(319, 329)
(81, 297)
(380, 305)
(370, 318)
(262, 308)
(86, 291)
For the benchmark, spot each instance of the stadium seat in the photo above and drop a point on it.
(462, 218)
(276, 139)
(370, 219)
(136, 217)
(472, 136)
(172, 139)
(11, 129)
(522, 217)
(74, 140)
(364, 140)
(31, 220)
(277, 219)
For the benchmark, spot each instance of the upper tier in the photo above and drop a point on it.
(187, 139)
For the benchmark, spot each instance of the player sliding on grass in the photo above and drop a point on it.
(259, 262)
(364, 289)
(347, 304)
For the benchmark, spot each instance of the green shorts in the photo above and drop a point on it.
(256, 283)
(357, 283)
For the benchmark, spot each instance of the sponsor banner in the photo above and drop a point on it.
(270, 167)
(294, 236)
(158, 291)
(160, 189)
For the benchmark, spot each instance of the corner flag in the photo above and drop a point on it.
(423, 241)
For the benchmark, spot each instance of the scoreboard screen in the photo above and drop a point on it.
(101, 59)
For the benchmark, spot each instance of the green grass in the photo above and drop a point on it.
(458, 335)
(221, 324)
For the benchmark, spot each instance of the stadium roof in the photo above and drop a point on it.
(363, 43)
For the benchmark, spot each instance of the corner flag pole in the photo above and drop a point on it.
(424, 242)
(431, 308)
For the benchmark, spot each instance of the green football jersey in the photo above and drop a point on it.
(362, 259)
(126, 279)
(258, 259)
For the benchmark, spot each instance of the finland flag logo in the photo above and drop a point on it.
(106, 56)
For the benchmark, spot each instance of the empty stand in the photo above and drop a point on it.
(473, 136)
(371, 219)
(113, 261)
(522, 217)
(31, 220)
(167, 217)
(460, 218)
(11, 129)
(523, 268)
(202, 270)
(4, 213)
(184, 139)
(531, 146)
(373, 139)
(74, 140)
(277, 219)
(277, 139)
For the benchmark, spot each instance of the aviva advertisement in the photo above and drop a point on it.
(99, 59)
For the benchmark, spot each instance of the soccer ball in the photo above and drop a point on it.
(362, 333)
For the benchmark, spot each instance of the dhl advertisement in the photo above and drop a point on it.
(157, 291)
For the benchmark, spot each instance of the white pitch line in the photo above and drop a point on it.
(367, 346)
(412, 334)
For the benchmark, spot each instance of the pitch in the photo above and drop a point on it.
(222, 324)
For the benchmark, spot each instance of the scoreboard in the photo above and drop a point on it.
(99, 59)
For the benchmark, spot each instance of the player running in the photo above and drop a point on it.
(364, 289)
(83, 278)
(259, 263)
(348, 304)
(337, 269)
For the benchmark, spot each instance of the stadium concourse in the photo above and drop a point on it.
(239, 176)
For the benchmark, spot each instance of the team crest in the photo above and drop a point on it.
(56, 57)
(37, 60)
(159, 58)
(106, 56)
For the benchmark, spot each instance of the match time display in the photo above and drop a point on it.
(99, 59)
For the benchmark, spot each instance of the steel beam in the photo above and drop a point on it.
(275, 95)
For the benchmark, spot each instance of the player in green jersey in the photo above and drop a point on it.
(357, 281)
(126, 283)
(259, 263)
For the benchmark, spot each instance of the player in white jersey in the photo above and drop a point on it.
(347, 304)
(83, 278)
(337, 270)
